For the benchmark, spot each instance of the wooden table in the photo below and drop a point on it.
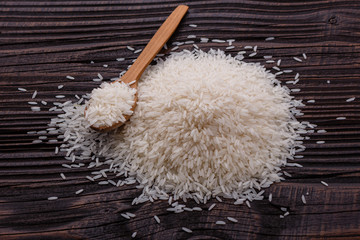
(41, 42)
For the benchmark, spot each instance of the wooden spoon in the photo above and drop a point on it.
(147, 55)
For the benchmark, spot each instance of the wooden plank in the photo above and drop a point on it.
(41, 42)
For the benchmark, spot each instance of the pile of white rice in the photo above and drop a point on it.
(109, 103)
(206, 125)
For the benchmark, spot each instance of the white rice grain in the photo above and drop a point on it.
(231, 219)
(324, 183)
(303, 199)
(212, 206)
(157, 219)
(186, 230)
(34, 94)
(79, 191)
(269, 38)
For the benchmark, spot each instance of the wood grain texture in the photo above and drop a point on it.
(41, 42)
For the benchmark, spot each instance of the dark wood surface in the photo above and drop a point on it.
(43, 41)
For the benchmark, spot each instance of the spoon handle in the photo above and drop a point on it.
(154, 46)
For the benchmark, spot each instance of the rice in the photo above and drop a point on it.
(239, 201)
(70, 77)
(304, 56)
(193, 25)
(130, 48)
(157, 219)
(34, 94)
(125, 215)
(191, 36)
(220, 223)
(340, 118)
(105, 65)
(79, 191)
(276, 68)
(230, 41)
(52, 198)
(134, 234)
(218, 41)
(231, 219)
(324, 183)
(109, 104)
(212, 206)
(270, 197)
(90, 178)
(137, 51)
(183, 138)
(297, 59)
(269, 38)
(22, 89)
(120, 59)
(35, 109)
(252, 54)
(175, 48)
(186, 230)
(350, 99)
(294, 165)
(303, 199)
